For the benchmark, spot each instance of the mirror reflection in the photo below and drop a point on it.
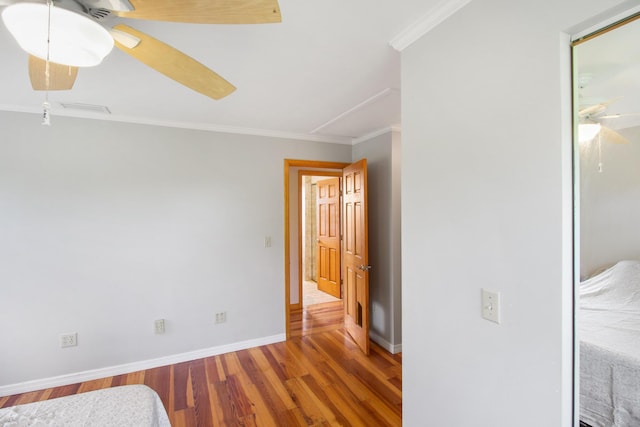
(607, 86)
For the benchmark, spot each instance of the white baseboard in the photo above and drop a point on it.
(391, 348)
(111, 371)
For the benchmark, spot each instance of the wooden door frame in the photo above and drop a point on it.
(309, 167)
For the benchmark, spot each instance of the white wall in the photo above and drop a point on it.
(485, 201)
(106, 226)
(383, 172)
(610, 203)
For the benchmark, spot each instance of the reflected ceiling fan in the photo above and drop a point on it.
(591, 120)
(62, 35)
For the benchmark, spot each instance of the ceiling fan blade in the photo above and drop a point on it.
(206, 11)
(618, 115)
(612, 136)
(175, 65)
(591, 110)
(61, 77)
(596, 109)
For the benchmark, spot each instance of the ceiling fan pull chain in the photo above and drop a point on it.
(46, 117)
(599, 152)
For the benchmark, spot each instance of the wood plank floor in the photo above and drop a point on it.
(317, 378)
(316, 318)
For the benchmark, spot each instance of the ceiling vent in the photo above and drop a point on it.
(85, 107)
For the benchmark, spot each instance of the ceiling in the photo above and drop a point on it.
(327, 72)
(608, 69)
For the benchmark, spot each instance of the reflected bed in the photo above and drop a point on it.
(609, 333)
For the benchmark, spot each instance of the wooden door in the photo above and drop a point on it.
(356, 254)
(328, 236)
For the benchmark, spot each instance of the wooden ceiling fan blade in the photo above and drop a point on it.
(618, 115)
(611, 135)
(206, 11)
(175, 65)
(597, 109)
(61, 77)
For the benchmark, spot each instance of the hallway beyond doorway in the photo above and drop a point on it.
(311, 295)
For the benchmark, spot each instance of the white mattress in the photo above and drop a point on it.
(132, 405)
(609, 332)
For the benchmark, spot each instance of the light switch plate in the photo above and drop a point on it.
(159, 326)
(491, 305)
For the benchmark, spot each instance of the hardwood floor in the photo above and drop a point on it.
(316, 318)
(317, 378)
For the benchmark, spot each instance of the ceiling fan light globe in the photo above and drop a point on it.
(588, 131)
(75, 39)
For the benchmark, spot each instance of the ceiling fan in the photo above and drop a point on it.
(62, 35)
(591, 121)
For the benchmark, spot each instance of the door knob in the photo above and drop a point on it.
(365, 267)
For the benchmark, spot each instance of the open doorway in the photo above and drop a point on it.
(319, 220)
(320, 307)
(293, 233)
(352, 272)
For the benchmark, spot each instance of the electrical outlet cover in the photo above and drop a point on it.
(221, 317)
(69, 340)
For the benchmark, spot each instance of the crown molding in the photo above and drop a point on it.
(428, 22)
(55, 112)
(378, 132)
